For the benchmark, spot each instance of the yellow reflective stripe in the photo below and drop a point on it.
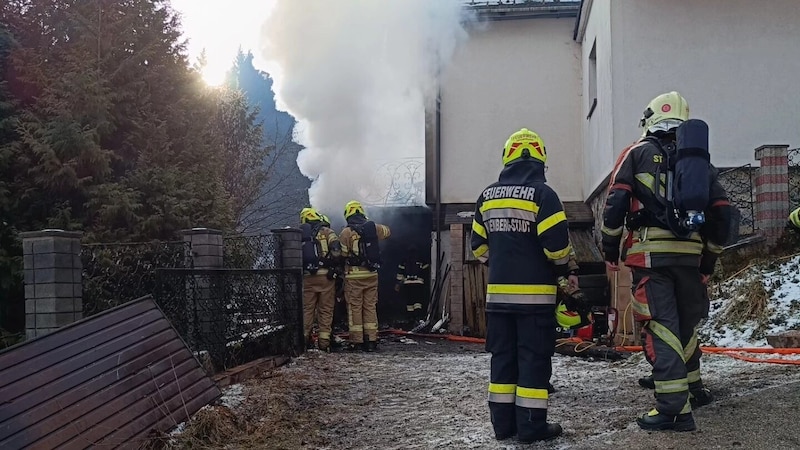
(688, 351)
(370, 326)
(693, 376)
(685, 247)
(687, 408)
(478, 229)
(409, 308)
(324, 335)
(612, 231)
(525, 205)
(417, 305)
(643, 309)
(551, 221)
(672, 386)
(714, 248)
(356, 328)
(502, 388)
(665, 335)
(481, 250)
(660, 233)
(649, 181)
(521, 289)
(531, 392)
(794, 217)
(559, 254)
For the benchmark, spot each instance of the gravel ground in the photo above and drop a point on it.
(431, 395)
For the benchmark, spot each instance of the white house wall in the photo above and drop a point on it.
(512, 74)
(598, 130)
(737, 62)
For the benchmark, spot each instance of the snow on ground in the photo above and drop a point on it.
(780, 282)
(232, 396)
(434, 396)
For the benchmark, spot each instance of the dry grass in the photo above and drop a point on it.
(750, 303)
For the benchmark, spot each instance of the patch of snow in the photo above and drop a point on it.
(178, 429)
(782, 284)
(233, 396)
(265, 330)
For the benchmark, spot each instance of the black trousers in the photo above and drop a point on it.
(671, 301)
(521, 346)
(414, 295)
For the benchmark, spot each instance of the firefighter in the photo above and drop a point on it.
(794, 219)
(361, 254)
(670, 269)
(520, 231)
(321, 249)
(411, 285)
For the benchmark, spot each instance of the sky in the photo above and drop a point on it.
(220, 27)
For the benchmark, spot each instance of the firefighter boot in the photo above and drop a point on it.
(370, 346)
(655, 421)
(551, 431)
(700, 397)
(647, 382)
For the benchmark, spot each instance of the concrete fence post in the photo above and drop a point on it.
(291, 248)
(290, 256)
(53, 280)
(772, 191)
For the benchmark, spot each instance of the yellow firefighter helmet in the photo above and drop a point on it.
(524, 144)
(309, 215)
(567, 319)
(665, 112)
(794, 218)
(353, 207)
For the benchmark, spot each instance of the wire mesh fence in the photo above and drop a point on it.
(738, 183)
(234, 316)
(251, 252)
(120, 272)
(794, 178)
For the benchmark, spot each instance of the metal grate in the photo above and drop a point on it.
(234, 315)
(117, 273)
(252, 252)
(738, 183)
(794, 178)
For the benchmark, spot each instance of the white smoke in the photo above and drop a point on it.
(356, 75)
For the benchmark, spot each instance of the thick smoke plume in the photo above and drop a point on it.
(356, 75)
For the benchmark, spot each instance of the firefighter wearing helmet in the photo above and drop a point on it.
(361, 253)
(520, 231)
(671, 252)
(321, 250)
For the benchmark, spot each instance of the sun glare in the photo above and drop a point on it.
(214, 74)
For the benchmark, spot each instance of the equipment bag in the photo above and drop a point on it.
(366, 250)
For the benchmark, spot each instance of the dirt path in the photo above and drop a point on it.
(432, 395)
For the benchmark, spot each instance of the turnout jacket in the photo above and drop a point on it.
(521, 232)
(632, 201)
(348, 243)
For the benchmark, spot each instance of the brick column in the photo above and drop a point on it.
(53, 280)
(456, 279)
(290, 256)
(291, 251)
(206, 328)
(772, 191)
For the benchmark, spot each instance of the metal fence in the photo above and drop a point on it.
(117, 273)
(738, 183)
(251, 252)
(794, 178)
(234, 315)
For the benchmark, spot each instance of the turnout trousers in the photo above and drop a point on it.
(318, 299)
(522, 345)
(670, 302)
(414, 295)
(361, 295)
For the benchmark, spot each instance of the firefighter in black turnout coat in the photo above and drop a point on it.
(665, 191)
(521, 232)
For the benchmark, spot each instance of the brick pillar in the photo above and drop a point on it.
(206, 327)
(291, 257)
(206, 246)
(456, 279)
(53, 280)
(291, 251)
(772, 191)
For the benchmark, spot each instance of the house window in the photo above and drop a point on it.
(592, 97)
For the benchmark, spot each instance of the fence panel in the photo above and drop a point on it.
(234, 315)
(120, 272)
(251, 252)
(794, 178)
(738, 183)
